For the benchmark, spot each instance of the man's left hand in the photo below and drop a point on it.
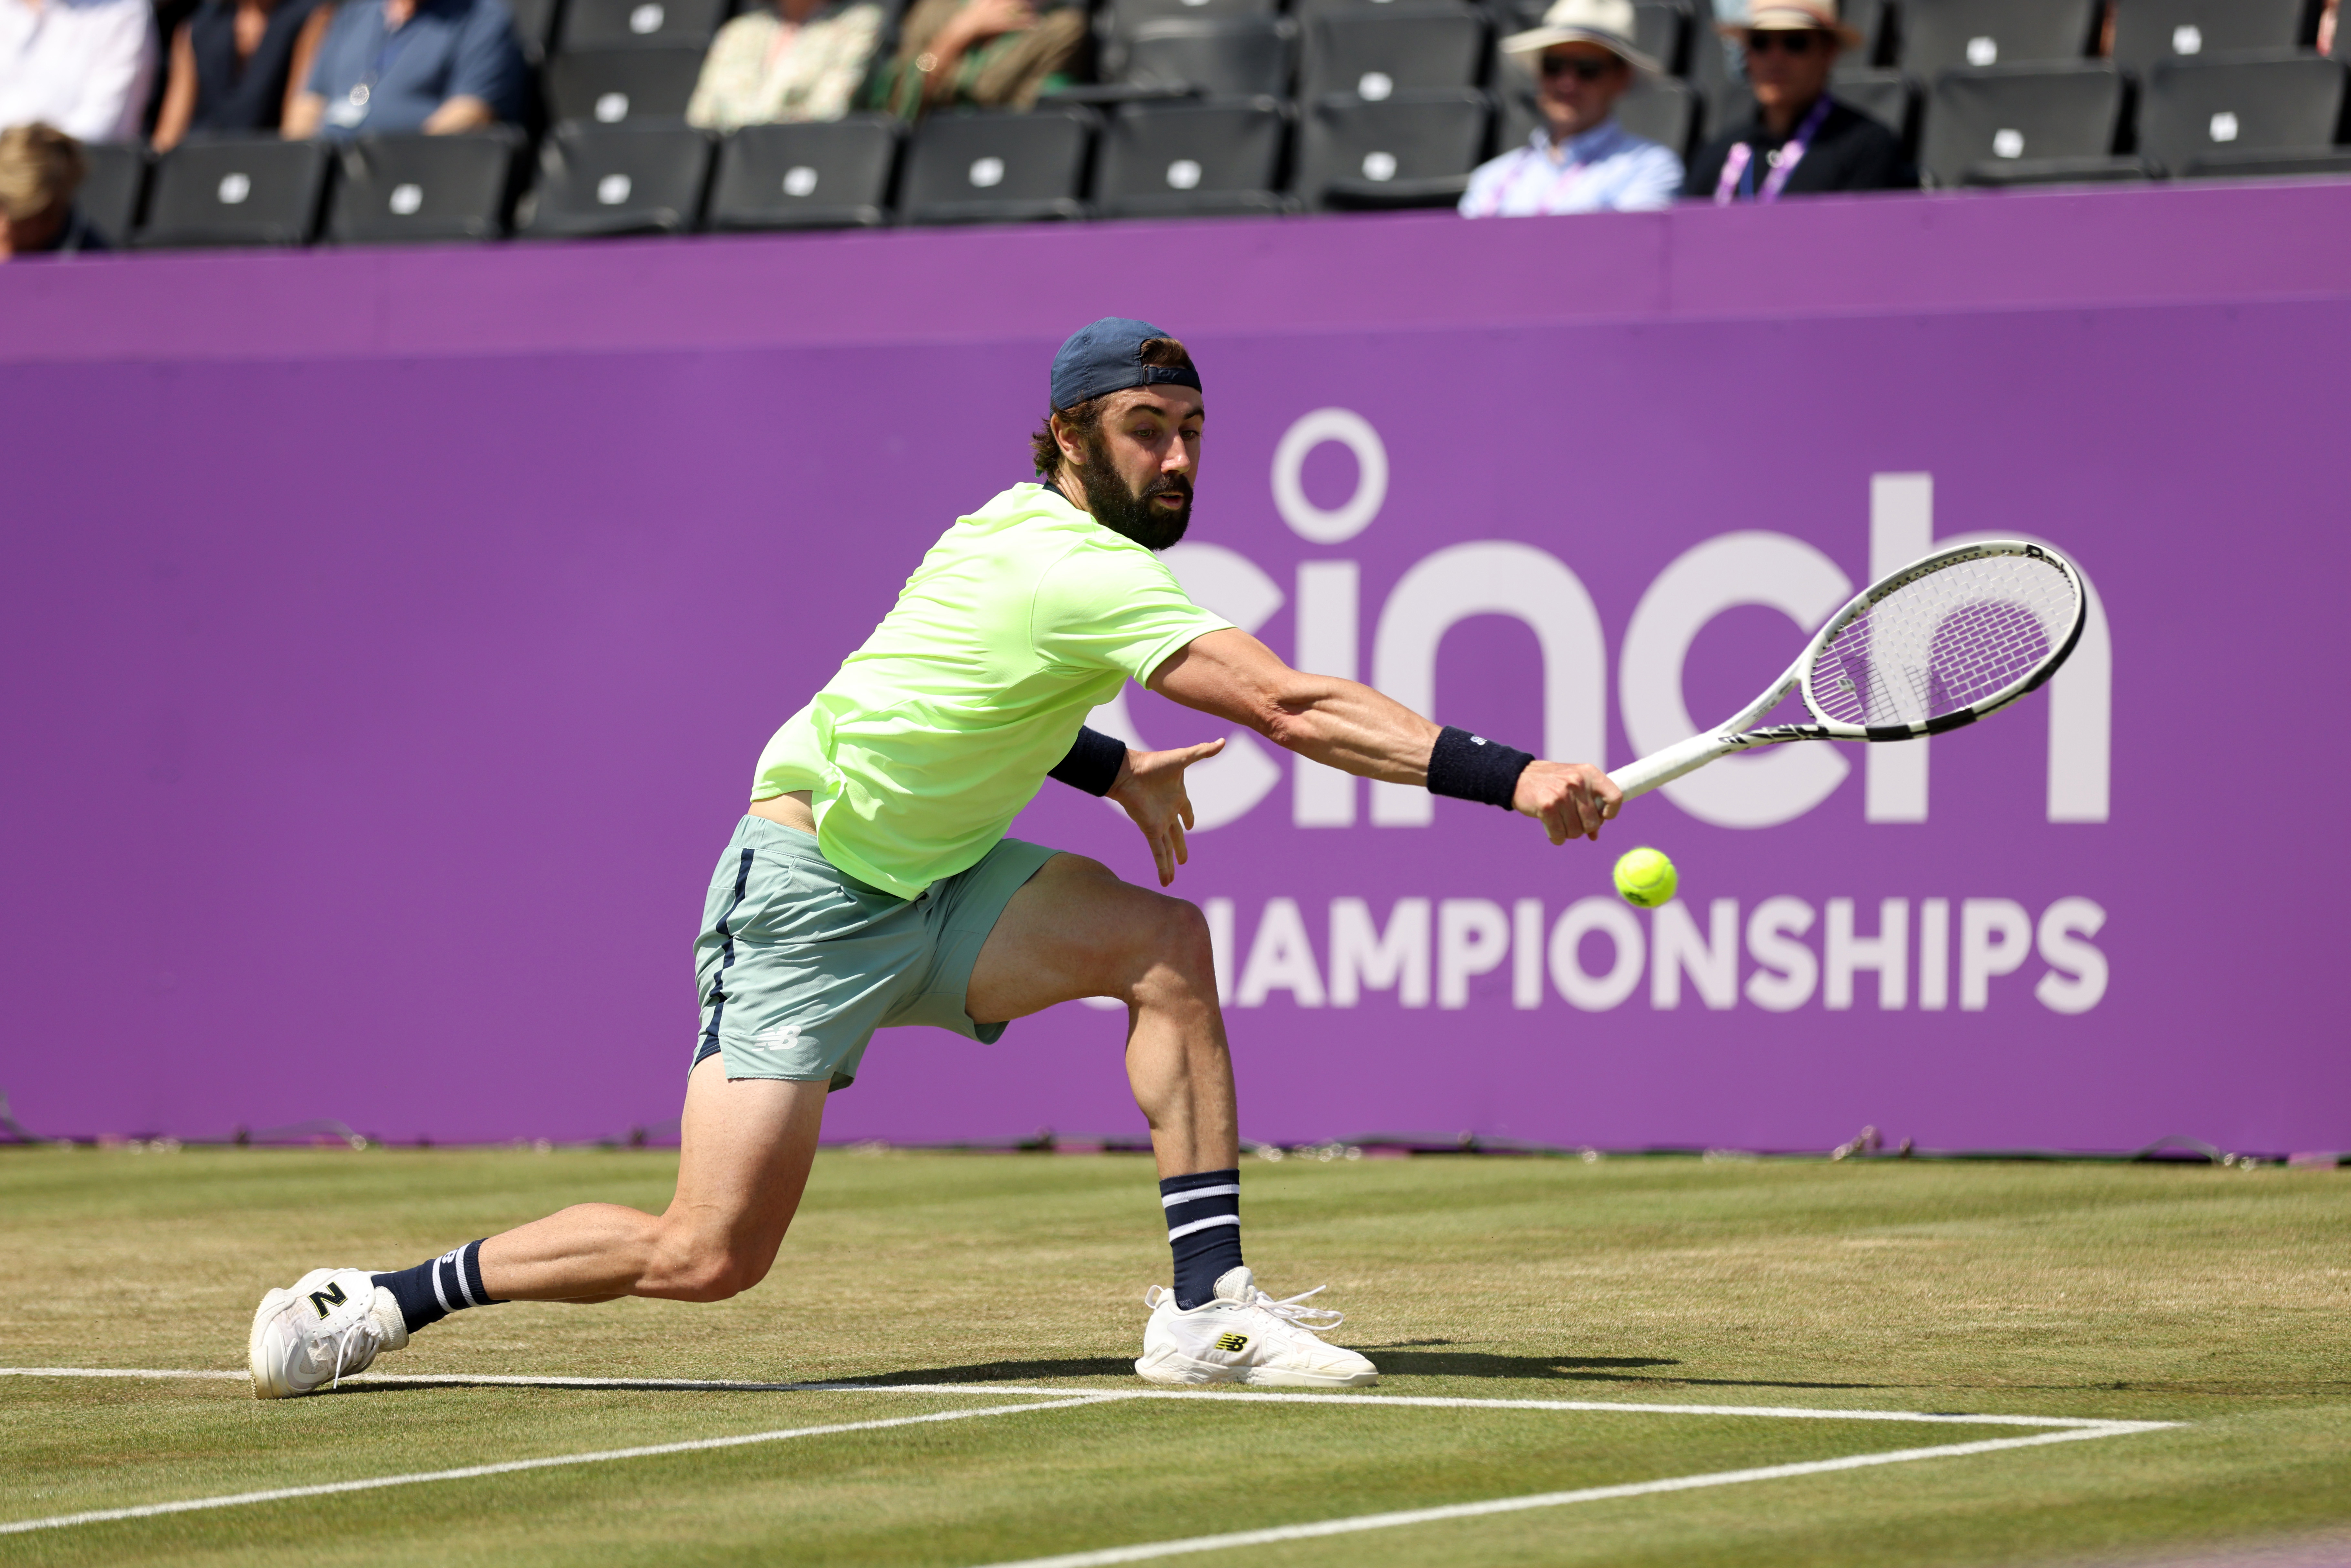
(1151, 788)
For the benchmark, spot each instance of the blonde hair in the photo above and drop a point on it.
(40, 169)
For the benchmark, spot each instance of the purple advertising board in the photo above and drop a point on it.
(388, 639)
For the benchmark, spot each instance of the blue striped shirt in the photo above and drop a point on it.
(1606, 170)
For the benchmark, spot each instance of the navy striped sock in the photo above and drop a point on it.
(1204, 1229)
(431, 1292)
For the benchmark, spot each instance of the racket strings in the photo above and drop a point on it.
(1943, 641)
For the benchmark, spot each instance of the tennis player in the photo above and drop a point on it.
(871, 884)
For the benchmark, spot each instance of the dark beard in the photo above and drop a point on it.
(1122, 511)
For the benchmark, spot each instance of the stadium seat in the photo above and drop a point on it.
(1939, 36)
(996, 167)
(238, 191)
(1664, 110)
(2244, 115)
(2146, 31)
(416, 187)
(1167, 159)
(614, 87)
(2017, 120)
(1413, 149)
(1870, 18)
(1222, 57)
(533, 28)
(639, 23)
(1409, 46)
(116, 178)
(1124, 16)
(616, 180)
(818, 174)
(1887, 96)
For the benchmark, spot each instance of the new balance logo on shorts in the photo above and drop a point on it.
(779, 1037)
(1232, 1342)
(327, 1299)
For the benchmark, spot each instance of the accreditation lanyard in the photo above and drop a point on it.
(354, 106)
(1735, 166)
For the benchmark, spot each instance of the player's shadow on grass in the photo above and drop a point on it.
(1394, 1361)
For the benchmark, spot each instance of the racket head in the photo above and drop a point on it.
(1957, 633)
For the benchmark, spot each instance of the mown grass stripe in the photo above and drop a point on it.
(469, 1473)
(1148, 1551)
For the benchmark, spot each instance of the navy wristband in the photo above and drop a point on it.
(1092, 763)
(1471, 768)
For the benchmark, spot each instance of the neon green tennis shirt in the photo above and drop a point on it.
(1021, 620)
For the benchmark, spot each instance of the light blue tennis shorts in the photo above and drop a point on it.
(799, 962)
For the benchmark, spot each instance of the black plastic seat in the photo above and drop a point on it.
(239, 191)
(2010, 115)
(2201, 117)
(1413, 149)
(1413, 46)
(114, 178)
(639, 23)
(1889, 98)
(391, 189)
(1939, 36)
(2146, 31)
(1158, 160)
(533, 28)
(1124, 16)
(998, 168)
(617, 180)
(616, 87)
(817, 175)
(1223, 56)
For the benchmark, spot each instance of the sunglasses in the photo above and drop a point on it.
(1764, 43)
(1581, 70)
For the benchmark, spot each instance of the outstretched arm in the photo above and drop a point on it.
(1350, 726)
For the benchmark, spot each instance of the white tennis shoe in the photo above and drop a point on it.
(1244, 1335)
(333, 1321)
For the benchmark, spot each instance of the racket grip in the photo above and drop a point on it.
(1664, 767)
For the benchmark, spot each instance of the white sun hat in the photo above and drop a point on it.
(1607, 23)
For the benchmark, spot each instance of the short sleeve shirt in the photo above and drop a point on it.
(447, 49)
(1023, 618)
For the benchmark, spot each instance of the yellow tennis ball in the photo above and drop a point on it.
(1645, 877)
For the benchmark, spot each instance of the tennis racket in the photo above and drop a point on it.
(1951, 637)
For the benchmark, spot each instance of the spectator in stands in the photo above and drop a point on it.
(794, 60)
(82, 66)
(435, 66)
(1802, 142)
(990, 54)
(40, 169)
(239, 66)
(1579, 159)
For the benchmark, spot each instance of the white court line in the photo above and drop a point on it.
(1549, 1500)
(2072, 1428)
(280, 1494)
(1417, 1401)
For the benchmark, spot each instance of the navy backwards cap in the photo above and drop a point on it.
(1107, 357)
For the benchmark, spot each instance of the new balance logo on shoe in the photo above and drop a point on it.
(1235, 1342)
(327, 1299)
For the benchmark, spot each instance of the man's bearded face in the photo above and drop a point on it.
(1119, 507)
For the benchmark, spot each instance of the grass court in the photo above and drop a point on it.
(1508, 1292)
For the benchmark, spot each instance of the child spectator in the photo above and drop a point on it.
(40, 169)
